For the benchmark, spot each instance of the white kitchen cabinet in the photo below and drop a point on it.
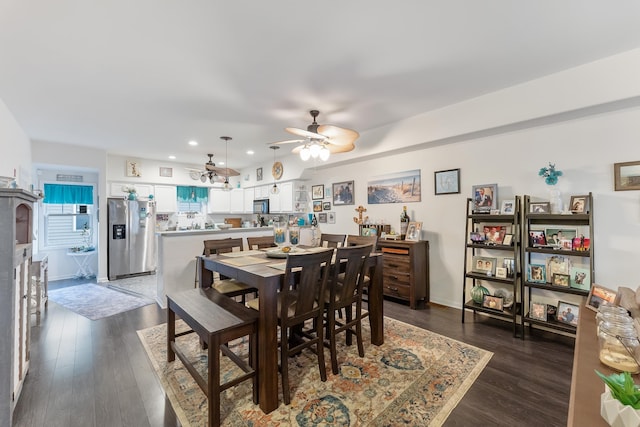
(166, 197)
(261, 192)
(248, 200)
(236, 200)
(283, 201)
(219, 201)
(116, 189)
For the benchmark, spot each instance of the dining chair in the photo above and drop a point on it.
(260, 242)
(304, 283)
(344, 291)
(332, 240)
(355, 240)
(224, 285)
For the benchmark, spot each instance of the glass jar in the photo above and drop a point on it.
(294, 235)
(619, 346)
(613, 315)
(279, 232)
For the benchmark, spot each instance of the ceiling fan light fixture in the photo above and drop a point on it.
(305, 153)
(315, 150)
(211, 179)
(203, 178)
(324, 154)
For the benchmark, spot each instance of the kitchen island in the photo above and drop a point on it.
(177, 252)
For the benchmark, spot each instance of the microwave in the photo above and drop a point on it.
(261, 206)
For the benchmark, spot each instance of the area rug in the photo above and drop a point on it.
(96, 302)
(416, 378)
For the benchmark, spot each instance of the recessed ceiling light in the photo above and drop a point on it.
(193, 143)
(250, 152)
(172, 157)
(221, 163)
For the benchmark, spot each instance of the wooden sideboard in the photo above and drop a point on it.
(406, 270)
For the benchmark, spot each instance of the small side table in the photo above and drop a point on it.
(40, 288)
(82, 259)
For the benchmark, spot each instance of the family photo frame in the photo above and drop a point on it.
(579, 204)
(343, 193)
(568, 313)
(485, 197)
(599, 294)
(413, 231)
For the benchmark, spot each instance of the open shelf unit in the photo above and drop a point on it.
(532, 255)
(495, 254)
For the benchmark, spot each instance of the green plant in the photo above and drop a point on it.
(623, 388)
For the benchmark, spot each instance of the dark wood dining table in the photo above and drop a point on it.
(261, 272)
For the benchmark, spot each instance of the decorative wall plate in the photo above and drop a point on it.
(277, 170)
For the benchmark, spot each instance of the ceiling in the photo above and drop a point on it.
(142, 78)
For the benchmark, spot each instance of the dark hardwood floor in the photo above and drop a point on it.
(96, 373)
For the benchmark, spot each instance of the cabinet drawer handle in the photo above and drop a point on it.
(392, 289)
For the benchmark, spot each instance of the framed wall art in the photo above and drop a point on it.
(259, 174)
(399, 187)
(343, 193)
(331, 217)
(322, 217)
(485, 197)
(167, 172)
(326, 206)
(317, 206)
(133, 168)
(317, 192)
(447, 181)
(626, 176)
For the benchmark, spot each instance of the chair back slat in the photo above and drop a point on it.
(332, 240)
(353, 264)
(260, 242)
(354, 240)
(220, 246)
(307, 275)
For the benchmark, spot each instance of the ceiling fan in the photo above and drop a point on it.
(321, 140)
(212, 172)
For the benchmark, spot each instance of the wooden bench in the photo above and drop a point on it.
(217, 320)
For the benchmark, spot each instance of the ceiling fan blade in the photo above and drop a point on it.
(338, 135)
(305, 133)
(223, 171)
(289, 141)
(195, 174)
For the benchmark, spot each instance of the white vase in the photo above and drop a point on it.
(615, 413)
(555, 199)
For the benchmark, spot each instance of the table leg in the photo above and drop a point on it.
(171, 332)
(268, 346)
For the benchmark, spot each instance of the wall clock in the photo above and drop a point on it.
(277, 170)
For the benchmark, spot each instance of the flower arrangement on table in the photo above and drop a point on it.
(550, 174)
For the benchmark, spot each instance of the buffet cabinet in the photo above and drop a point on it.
(406, 270)
(16, 219)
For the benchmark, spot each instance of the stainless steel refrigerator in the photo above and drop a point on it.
(132, 239)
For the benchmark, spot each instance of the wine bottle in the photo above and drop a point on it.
(404, 222)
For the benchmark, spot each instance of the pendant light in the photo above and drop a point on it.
(274, 189)
(226, 186)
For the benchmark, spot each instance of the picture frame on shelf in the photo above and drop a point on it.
(413, 231)
(537, 238)
(494, 234)
(507, 207)
(493, 302)
(551, 312)
(317, 206)
(507, 240)
(476, 237)
(626, 176)
(510, 265)
(537, 273)
(501, 272)
(326, 206)
(560, 279)
(568, 313)
(484, 265)
(317, 192)
(579, 204)
(447, 181)
(580, 243)
(485, 197)
(580, 278)
(599, 294)
(555, 236)
(539, 207)
(538, 311)
(343, 193)
(557, 264)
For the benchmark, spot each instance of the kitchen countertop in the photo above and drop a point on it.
(210, 231)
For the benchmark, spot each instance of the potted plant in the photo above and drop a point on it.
(620, 402)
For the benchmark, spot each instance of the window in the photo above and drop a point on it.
(191, 206)
(68, 215)
(192, 199)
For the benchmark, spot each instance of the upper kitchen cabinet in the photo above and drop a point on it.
(261, 192)
(219, 201)
(166, 197)
(283, 201)
(236, 200)
(117, 189)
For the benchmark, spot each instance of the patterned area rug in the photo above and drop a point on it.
(95, 302)
(416, 378)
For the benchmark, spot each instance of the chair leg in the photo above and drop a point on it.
(253, 358)
(359, 332)
(284, 364)
(331, 330)
(320, 349)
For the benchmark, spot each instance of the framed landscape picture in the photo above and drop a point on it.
(398, 187)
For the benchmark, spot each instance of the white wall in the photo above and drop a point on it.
(16, 149)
